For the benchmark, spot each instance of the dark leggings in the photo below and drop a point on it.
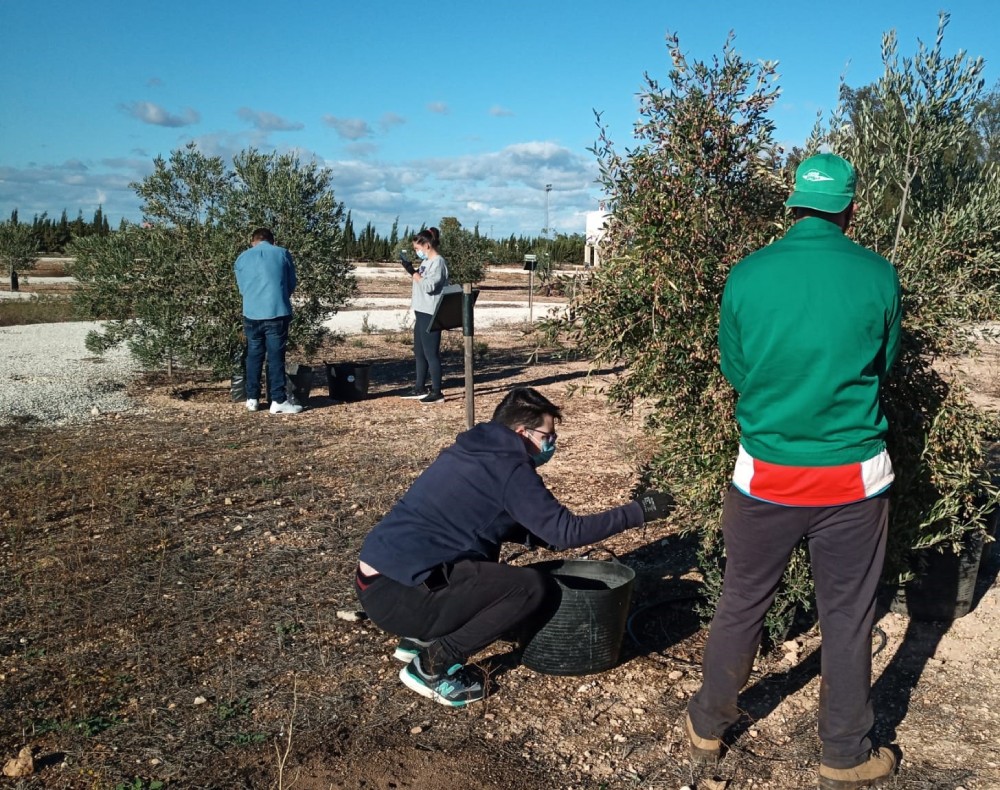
(427, 352)
(464, 606)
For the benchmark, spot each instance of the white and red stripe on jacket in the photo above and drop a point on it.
(812, 486)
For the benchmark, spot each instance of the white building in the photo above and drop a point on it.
(596, 228)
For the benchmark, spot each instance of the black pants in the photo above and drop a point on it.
(846, 549)
(426, 352)
(463, 607)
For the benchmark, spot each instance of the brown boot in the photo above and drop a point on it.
(704, 751)
(878, 768)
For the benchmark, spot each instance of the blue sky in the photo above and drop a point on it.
(421, 110)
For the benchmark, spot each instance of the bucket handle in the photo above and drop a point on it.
(588, 552)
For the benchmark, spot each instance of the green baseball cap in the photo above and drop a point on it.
(824, 182)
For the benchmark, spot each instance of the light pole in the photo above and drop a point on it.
(548, 188)
(547, 269)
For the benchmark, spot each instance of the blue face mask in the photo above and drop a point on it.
(422, 255)
(547, 451)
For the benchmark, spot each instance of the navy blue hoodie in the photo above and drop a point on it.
(479, 492)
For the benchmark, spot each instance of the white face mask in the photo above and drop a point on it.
(422, 255)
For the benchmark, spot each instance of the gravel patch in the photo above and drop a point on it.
(47, 375)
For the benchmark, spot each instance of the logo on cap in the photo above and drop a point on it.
(816, 175)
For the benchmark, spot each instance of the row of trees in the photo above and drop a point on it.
(928, 199)
(21, 243)
(54, 236)
(369, 245)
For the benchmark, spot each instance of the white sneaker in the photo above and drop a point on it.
(252, 404)
(285, 407)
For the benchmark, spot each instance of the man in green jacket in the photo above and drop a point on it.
(809, 328)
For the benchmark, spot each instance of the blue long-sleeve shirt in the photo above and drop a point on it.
(265, 275)
(479, 492)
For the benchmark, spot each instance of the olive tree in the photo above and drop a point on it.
(167, 286)
(466, 251)
(703, 186)
(929, 200)
(18, 249)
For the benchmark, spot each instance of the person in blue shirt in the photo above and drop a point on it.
(428, 571)
(265, 275)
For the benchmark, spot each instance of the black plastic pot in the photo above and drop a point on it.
(238, 380)
(348, 381)
(585, 633)
(945, 583)
(298, 382)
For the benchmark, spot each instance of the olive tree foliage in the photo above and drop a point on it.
(466, 252)
(701, 188)
(929, 200)
(167, 287)
(18, 249)
(296, 200)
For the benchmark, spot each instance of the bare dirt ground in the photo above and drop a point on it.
(170, 587)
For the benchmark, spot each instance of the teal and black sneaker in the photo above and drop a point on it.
(408, 648)
(456, 687)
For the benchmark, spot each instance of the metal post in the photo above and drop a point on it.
(531, 289)
(468, 332)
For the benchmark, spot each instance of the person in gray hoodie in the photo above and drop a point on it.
(428, 571)
(429, 281)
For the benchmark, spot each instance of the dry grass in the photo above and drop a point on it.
(202, 552)
(170, 585)
(39, 310)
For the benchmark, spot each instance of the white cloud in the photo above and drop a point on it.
(73, 186)
(228, 144)
(502, 190)
(348, 128)
(268, 121)
(390, 120)
(500, 112)
(530, 164)
(479, 209)
(154, 114)
(439, 107)
(361, 150)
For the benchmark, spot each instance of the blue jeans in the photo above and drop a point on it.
(270, 336)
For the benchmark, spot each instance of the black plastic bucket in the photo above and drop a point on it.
(298, 382)
(585, 633)
(348, 382)
(945, 584)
